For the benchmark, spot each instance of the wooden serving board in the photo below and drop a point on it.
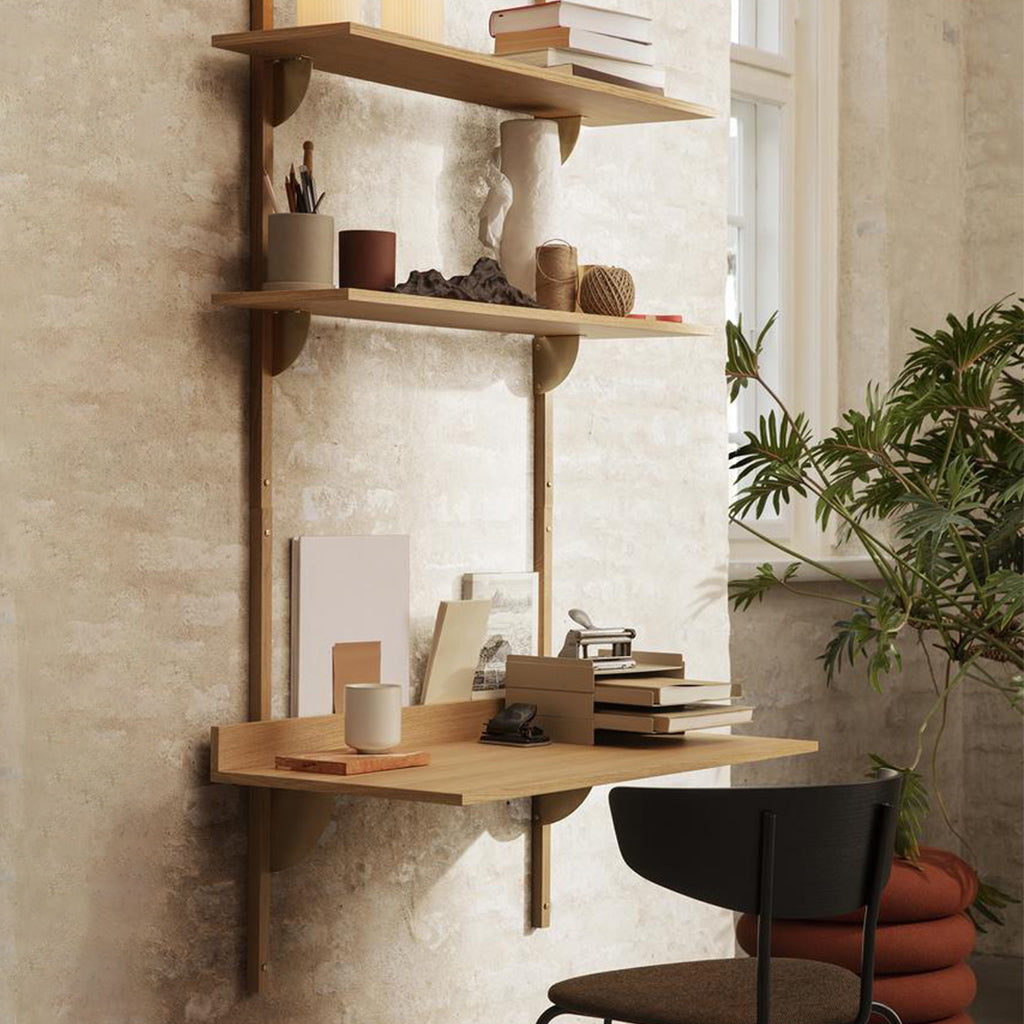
(348, 762)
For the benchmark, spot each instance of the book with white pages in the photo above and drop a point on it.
(572, 15)
(556, 59)
(668, 722)
(661, 692)
(578, 39)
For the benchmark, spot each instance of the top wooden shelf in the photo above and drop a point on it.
(389, 58)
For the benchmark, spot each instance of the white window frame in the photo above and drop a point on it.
(802, 81)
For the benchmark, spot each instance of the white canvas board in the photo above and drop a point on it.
(512, 625)
(346, 589)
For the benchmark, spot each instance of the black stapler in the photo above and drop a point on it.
(512, 725)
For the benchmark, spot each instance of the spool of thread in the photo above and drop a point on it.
(557, 275)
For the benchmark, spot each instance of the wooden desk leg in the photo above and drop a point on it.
(258, 910)
(545, 811)
(540, 873)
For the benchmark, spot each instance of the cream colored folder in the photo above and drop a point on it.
(459, 634)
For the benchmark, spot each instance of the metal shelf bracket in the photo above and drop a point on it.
(289, 82)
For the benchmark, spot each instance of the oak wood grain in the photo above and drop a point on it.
(375, 55)
(466, 772)
(457, 314)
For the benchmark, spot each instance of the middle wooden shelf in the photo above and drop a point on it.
(423, 311)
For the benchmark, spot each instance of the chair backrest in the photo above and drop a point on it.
(706, 843)
(789, 852)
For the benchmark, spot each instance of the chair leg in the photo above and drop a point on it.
(556, 1011)
(550, 1014)
(887, 1012)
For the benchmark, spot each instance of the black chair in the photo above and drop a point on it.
(802, 852)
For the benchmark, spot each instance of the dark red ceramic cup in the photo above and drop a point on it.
(366, 259)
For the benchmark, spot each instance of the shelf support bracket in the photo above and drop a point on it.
(289, 82)
(297, 820)
(291, 329)
(554, 356)
(568, 134)
(546, 810)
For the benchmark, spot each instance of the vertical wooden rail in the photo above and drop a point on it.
(540, 870)
(543, 506)
(543, 530)
(261, 514)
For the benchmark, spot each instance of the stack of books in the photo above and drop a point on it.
(665, 705)
(576, 39)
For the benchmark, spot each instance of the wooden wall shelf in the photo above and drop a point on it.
(358, 51)
(396, 308)
(288, 810)
(463, 771)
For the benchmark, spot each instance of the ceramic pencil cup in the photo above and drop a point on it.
(373, 717)
(300, 251)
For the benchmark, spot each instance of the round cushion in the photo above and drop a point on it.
(900, 948)
(937, 885)
(960, 1018)
(930, 996)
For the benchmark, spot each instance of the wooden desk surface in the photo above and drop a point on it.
(466, 772)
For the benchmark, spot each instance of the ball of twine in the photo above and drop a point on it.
(607, 291)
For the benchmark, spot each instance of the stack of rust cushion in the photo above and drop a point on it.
(923, 938)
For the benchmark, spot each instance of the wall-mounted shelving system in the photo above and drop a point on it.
(287, 811)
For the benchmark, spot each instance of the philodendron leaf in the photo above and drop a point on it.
(913, 808)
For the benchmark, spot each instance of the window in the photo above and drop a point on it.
(782, 145)
(757, 24)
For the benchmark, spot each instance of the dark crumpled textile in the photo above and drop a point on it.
(486, 282)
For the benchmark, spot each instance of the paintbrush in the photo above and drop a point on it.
(268, 190)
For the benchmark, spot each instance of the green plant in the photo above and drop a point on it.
(929, 481)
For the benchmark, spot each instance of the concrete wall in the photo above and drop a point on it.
(122, 599)
(932, 221)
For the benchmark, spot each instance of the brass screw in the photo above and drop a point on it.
(266, 533)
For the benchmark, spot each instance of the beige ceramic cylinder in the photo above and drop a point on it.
(421, 18)
(373, 717)
(300, 251)
(323, 12)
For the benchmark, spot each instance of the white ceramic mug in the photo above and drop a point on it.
(373, 717)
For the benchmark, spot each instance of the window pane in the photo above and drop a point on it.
(732, 275)
(744, 22)
(734, 167)
(769, 26)
(757, 23)
(753, 271)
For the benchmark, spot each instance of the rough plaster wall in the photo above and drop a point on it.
(122, 610)
(932, 221)
(994, 155)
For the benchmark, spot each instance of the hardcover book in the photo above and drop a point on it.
(562, 13)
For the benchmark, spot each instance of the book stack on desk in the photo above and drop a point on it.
(646, 704)
(579, 40)
(578, 697)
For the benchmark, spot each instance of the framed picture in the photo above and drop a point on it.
(511, 626)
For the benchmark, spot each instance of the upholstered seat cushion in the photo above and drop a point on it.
(713, 992)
